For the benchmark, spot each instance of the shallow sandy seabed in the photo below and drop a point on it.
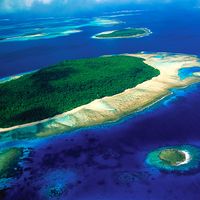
(109, 109)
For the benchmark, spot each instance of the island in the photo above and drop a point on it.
(172, 157)
(181, 158)
(82, 93)
(68, 85)
(124, 33)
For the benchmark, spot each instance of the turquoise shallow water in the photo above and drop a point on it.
(187, 72)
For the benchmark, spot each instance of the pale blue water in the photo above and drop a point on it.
(188, 72)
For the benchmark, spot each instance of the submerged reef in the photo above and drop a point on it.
(181, 158)
(9, 162)
(56, 183)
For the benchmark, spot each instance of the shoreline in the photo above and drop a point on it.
(113, 108)
(13, 77)
(187, 158)
(147, 33)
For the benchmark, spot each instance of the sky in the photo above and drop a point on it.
(70, 6)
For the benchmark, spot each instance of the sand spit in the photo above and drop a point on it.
(109, 109)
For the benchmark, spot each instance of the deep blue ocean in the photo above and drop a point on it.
(108, 162)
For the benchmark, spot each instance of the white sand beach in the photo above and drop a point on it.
(147, 32)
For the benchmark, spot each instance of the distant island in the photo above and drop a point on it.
(87, 92)
(124, 33)
(181, 158)
(68, 85)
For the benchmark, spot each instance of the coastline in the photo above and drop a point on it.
(110, 109)
(187, 158)
(13, 77)
(147, 33)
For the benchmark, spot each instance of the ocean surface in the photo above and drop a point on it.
(107, 162)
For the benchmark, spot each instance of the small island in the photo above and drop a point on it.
(124, 33)
(172, 157)
(82, 93)
(181, 158)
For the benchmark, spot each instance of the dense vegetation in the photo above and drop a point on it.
(129, 32)
(172, 156)
(67, 85)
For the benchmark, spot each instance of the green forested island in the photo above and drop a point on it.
(125, 33)
(172, 156)
(67, 85)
